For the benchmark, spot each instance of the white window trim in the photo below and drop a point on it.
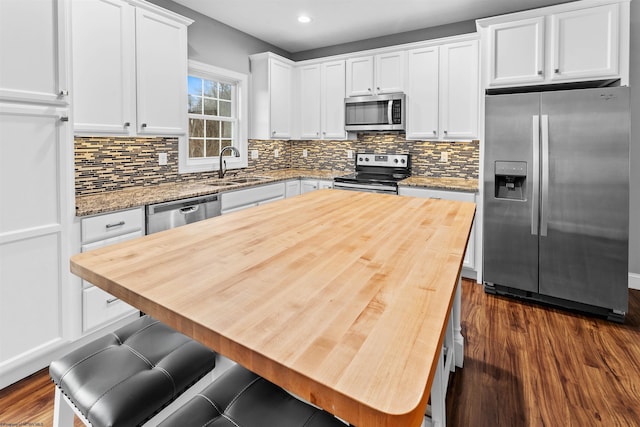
(212, 72)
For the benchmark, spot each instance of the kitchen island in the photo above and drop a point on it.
(342, 298)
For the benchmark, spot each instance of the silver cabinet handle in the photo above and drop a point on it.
(544, 203)
(63, 93)
(535, 174)
(117, 224)
(64, 119)
(112, 300)
(144, 125)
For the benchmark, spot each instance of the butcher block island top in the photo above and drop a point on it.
(340, 297)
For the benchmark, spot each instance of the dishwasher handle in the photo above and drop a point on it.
(189, 209)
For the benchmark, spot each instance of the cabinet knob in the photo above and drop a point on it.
(324, 133)
(64, 119)
(557, 70)
(539, 72)
(378, 88)
(127, 124)
(435, 132)
(445, 132)
(369, 89)
(144, 125)
(63, 93)
(273, 133)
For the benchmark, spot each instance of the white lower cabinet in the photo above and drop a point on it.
(469, 263)
(307, 185)
(292, 188)
(242, 199)
(99, 307)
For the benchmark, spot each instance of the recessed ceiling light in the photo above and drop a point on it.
(304, 19)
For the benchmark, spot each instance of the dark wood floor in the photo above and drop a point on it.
(525, 365)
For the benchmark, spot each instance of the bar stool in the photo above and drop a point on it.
(241, 398)
(126, 377)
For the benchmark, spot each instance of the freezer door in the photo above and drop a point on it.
(585, 196)
(510, 224)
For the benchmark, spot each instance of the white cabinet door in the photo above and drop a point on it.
(359, 76)
(34, 49)
(333, 87)
(584, 43)
(280, 102)
(307, 185)
(422, 93)
(389, 75)
(104, 66)
(310, 101)
(161, 65)
(292, 188)
(516, 52)
(36, 155)
(459, 91)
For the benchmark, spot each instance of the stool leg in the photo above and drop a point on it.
(63, 412)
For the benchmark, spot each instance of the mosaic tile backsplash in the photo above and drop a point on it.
(106, 164)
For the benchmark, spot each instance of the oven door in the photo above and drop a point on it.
(368, 188)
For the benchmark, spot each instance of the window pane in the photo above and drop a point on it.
(195, 104)
(196, 127)
(227, 130)
(213, 148)
(195, 86)
(196, 148)
(225, 109)
(210, 107)
(213, 129)
(225, 91)
(225, 143)
(211, 89)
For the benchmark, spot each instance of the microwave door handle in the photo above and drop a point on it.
(389, 111)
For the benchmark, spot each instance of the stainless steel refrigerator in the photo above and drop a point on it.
(556, 198)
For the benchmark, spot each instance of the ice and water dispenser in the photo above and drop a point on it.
(510, 180)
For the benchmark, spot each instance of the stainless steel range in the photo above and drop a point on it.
(376, 173)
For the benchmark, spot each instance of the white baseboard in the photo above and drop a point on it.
(634, 281)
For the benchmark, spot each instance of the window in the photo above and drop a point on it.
(217, 118)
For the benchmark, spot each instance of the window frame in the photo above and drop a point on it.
(241, 81)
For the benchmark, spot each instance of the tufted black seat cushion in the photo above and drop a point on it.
(124, 378)
(240, 398)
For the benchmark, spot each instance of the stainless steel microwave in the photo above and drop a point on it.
(379, 112)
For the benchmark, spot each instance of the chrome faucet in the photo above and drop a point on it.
(223, 163)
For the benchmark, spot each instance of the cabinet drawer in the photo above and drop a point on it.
(111, 225)
(251, 196)
(99, 307)
(437, 194)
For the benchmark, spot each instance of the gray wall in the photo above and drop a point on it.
(215, 43)
(634, 238)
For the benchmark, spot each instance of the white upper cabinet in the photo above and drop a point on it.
(322, 87)
(443, 91)
(459, 91)
(33, 67)
(423, 83)
(517, 52)
(124, 84)
(584, 43)
(375, 75)
(578, 41)
(271, 96)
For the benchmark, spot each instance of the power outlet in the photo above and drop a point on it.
(162, 159)
(305, 152)
(254, 154)
(444, 156)
(276, 153)
(349, 154)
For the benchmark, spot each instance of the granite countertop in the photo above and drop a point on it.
(140, 196)
(454, 184)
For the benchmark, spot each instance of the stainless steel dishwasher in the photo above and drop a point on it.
(163, 216)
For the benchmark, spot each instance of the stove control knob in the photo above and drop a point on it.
(402, 161)
(395, 160)
(360, 159)
(366, 159)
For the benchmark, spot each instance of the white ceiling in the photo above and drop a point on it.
(342, 21)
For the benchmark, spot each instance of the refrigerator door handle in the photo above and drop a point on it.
(544, 203)
(535, 174)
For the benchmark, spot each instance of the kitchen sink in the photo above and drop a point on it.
(245, 179)
(221, 183)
